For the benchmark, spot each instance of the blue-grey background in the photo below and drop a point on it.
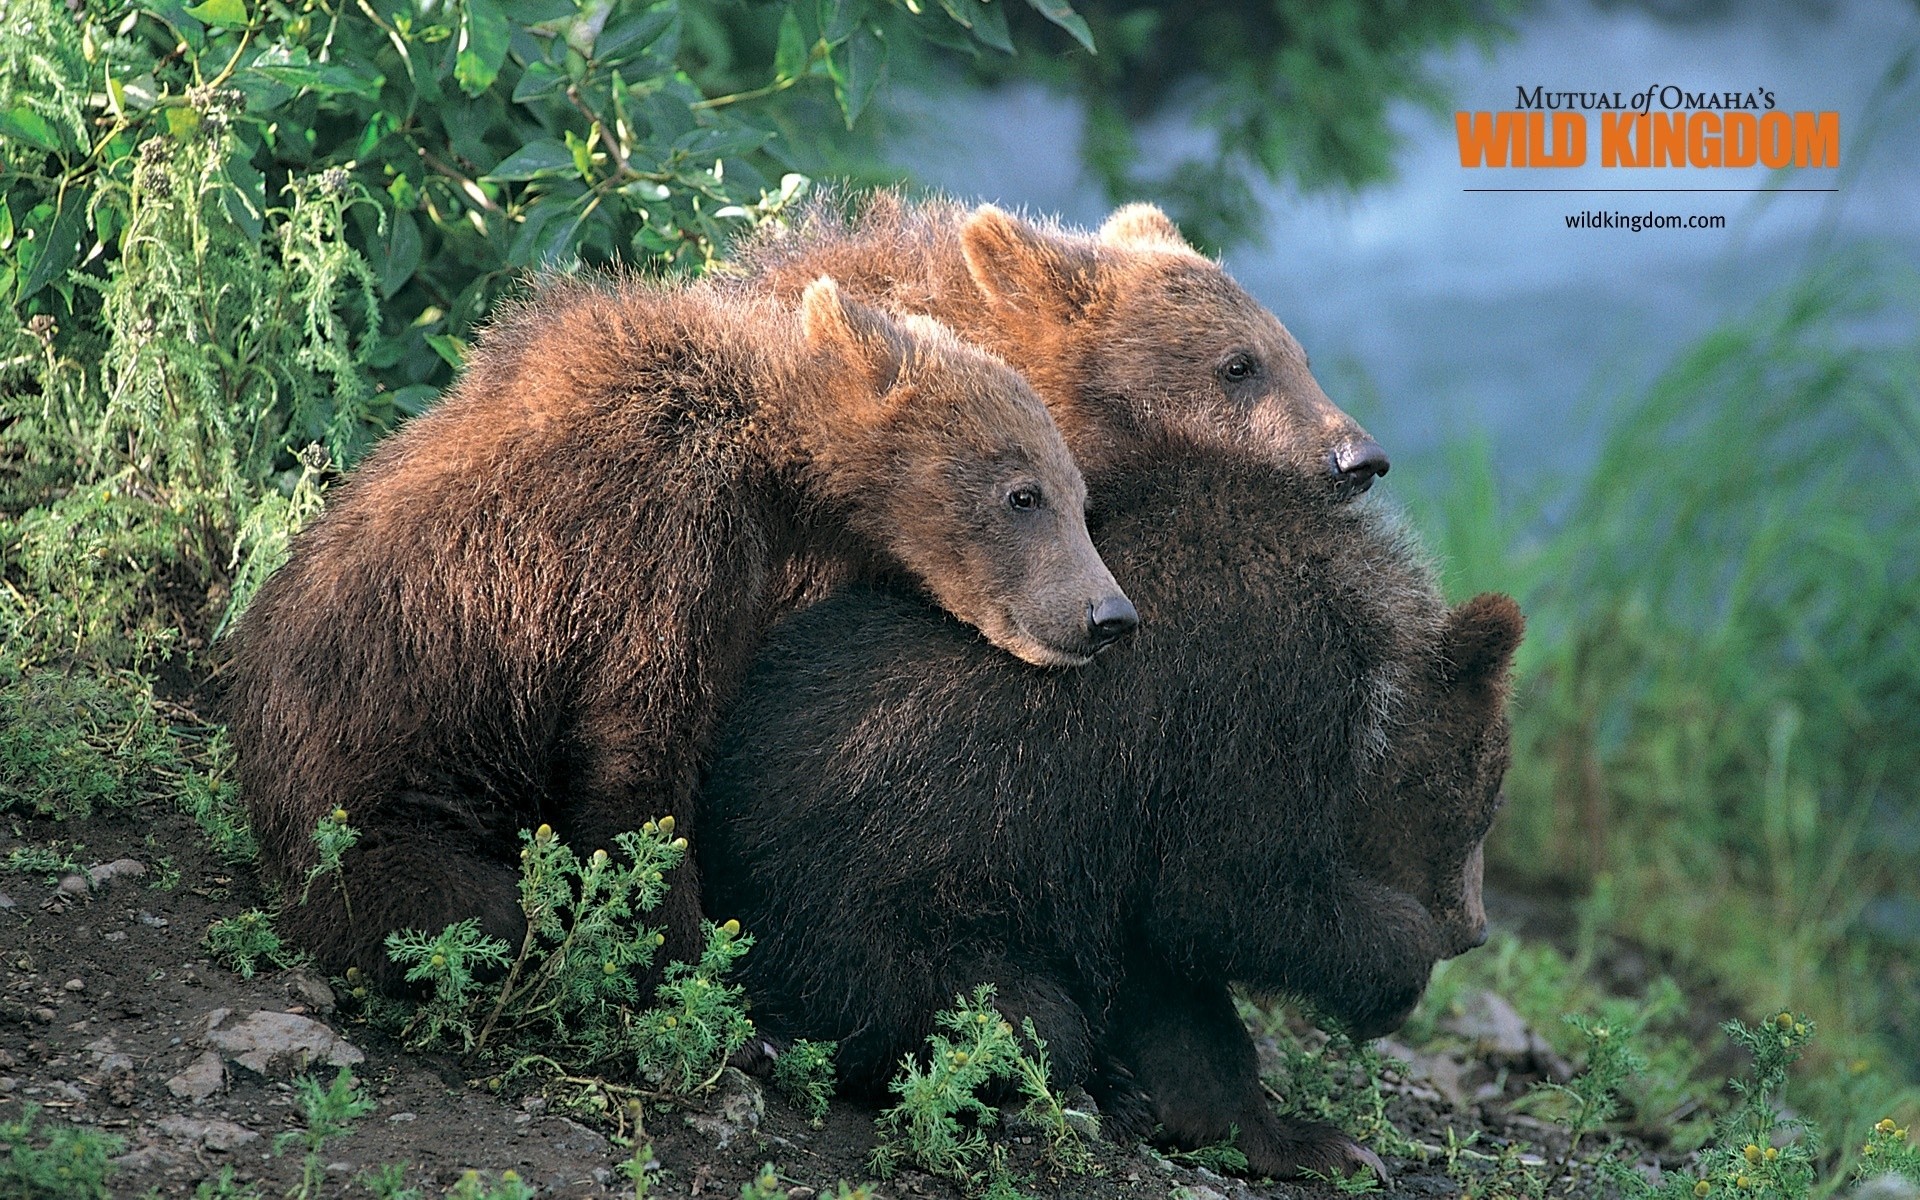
(1433, 314)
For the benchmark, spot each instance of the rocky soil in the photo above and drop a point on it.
(114, 1017)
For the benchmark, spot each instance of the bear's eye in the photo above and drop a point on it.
(1024, 499)
(1239, 368)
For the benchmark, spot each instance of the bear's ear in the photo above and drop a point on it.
(862, 337)
(1144, 227)
(1477, 645)
(1016, 264)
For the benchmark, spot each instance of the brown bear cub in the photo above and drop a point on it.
(530, 604)
(1132, 338)
(1282, 782)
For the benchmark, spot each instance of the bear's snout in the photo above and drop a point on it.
(1110, 619)
(1357, 463)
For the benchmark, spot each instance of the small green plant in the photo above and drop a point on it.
(765, 1185)
(1888, 1150)
(74, 741)
(449, 961)
(507, 1185)
(1065, 1149)
(939, 1123)
(166, 875)
(567, 1002)
(72, 1164)
(804, 1074)
(1327, 1077)
(243, 941)
(225, 1187)
(1592, 1096)
(332, 837)
(639, 1166)
(48, 861)
(1222, 1157)
(1757, 1151)
(208, 794)
(326, 1112)
(388, 1181)
(698, 1019)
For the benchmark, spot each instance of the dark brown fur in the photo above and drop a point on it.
(1282, 781)
(530, 604)
(1128, 334)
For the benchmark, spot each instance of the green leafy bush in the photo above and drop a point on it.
(805, 1076)
(71, 1164)
(245, 940)
(940, 1122)
(566, 1002)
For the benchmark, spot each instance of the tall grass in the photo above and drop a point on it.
(1720, 703)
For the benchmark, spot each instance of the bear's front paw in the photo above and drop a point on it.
(1293, 1149)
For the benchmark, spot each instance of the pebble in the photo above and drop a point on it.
(273, 1043)
(75, 985)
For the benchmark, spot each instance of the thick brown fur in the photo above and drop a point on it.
(1282, 781)
(1131, 337)
(530, 604)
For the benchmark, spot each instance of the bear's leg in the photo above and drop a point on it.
(402, 878)
(896, 1011)
(1177, 1055)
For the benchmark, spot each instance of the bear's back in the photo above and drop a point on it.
(1274, 625)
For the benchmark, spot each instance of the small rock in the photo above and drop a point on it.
(736, 1109)
(6, 901)
(401, 1118)
(203, 1078)
(1496, 1030)
(120, 868)
(75, 985)
(1197, 1191)
(8, 1083)
(116, 1071)
(7, 1060)
(214, 1135)
(44, 1015)
(147, 918)
(802, 1193)
(307, 989)
(271, 1043)
(147, 1158)
(118, 935)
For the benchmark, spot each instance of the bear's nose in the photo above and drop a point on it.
(1110, 620)
(1471, 939)
(1356, 464)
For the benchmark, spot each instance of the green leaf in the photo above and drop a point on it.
(537, 82)
(531, 161)
(790, 54)
(839, 18)
(295, 69)
(182, 120)
(247, 198)
(582, 153)
(990, 25)
(484, 34)
(6, 230)
(630, 35)
(414, 399)
(1061, 13)
(59, 243)
(27, 125)
(866, 65)
(402, 257)
(228, 14)
(448, 347)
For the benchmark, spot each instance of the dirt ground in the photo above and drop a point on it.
(113, 1016)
